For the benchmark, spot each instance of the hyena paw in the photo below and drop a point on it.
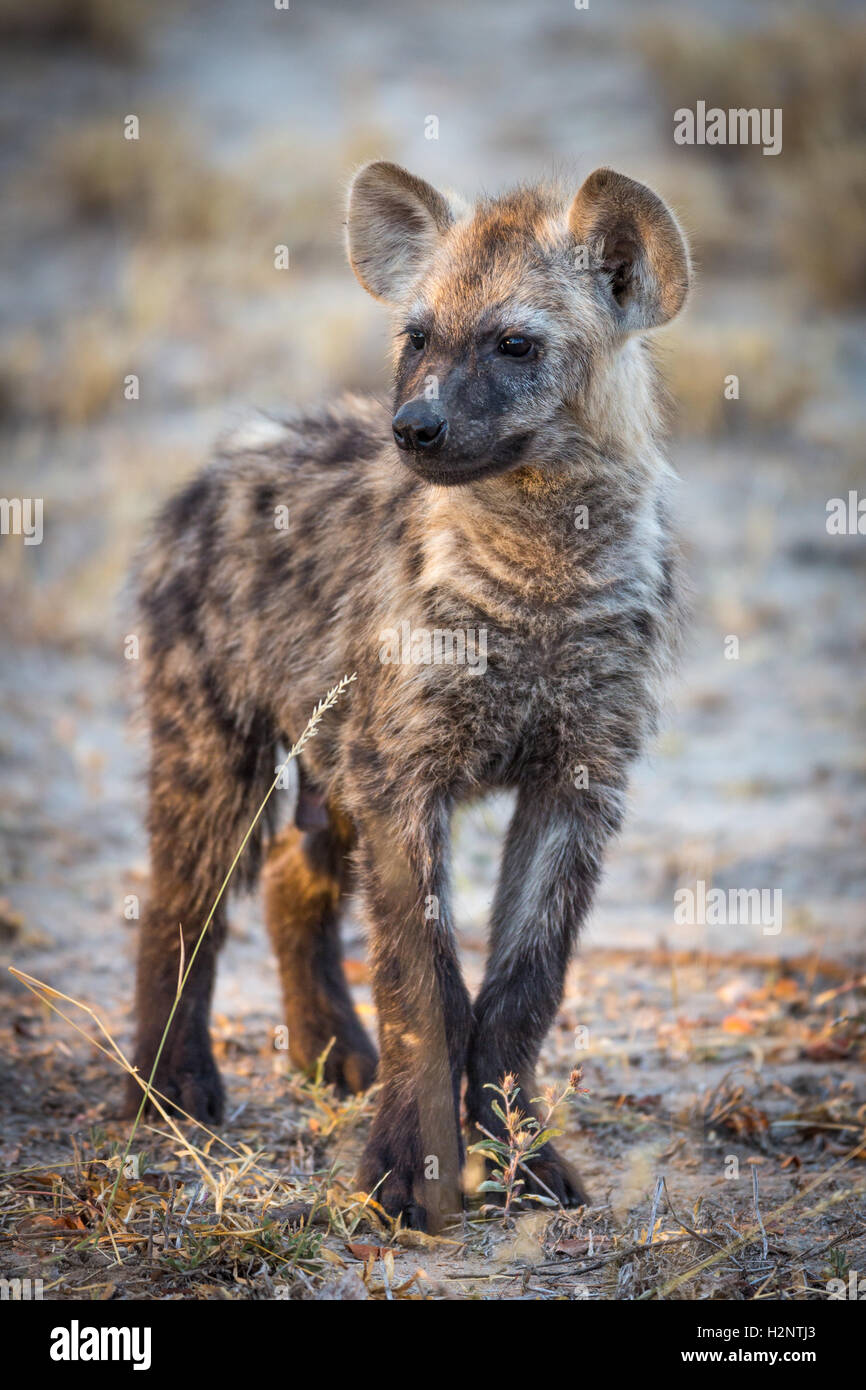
(351, 1062)
(397, 1192)
(550, 1175)
(351, 1070)
(192, 1083)
(425, 1195)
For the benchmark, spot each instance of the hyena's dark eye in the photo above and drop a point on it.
(417, 338)
(516, 346)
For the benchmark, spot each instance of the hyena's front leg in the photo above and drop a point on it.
(551, 865)
(414, 1155)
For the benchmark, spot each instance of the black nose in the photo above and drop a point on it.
(418, 425)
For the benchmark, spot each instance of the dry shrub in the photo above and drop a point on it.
(73, 377)
(164, 186)
(113, 28)
(773, 385)
(824, 235)
(810, 200)
(157, 185)
(811, 66)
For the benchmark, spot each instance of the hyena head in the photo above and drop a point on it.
(506, 311)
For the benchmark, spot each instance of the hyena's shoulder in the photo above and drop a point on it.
(297, 459)
(271, 478)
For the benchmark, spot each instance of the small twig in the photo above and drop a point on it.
(185, 1218)
(660, 1187)
(814, 1250)
(169, 1212)
(766, 1279)
(811, 1124)
(758, 1212)
(576, 1266)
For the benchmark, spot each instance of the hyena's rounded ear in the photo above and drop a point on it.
(633, 242)
(394, 223)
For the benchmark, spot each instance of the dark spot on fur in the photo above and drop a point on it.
(265, 498)
(183, 510)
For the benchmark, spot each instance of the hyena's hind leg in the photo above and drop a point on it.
(306, 876)
(209, 773)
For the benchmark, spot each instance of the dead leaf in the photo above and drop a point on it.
(367, 1252)
(737, 1023)
(824, 1048)
(331, 1257)
(56, 1223)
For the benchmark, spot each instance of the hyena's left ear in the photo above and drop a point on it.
(394, 223)
(635, 244)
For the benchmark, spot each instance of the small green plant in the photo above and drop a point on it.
(523, 1137)
(838, 1263)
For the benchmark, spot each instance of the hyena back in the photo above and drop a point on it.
(518, 492)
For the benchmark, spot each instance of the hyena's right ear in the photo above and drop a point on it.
(636, 245)
(394, 223)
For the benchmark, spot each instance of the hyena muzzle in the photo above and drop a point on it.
(514, 501)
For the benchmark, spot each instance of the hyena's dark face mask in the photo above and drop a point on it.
(464, 410)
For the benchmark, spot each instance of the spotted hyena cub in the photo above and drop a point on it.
(494, 558)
